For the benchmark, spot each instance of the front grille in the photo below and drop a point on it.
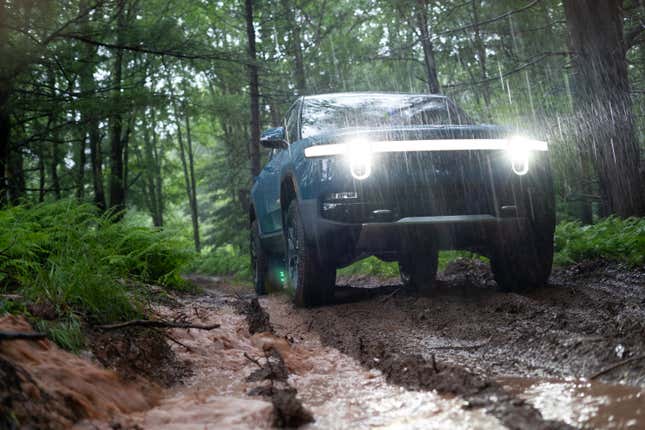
(422, 184)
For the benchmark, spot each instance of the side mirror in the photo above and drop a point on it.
(274, 138)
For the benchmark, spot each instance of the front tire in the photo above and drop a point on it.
(311, 280)
(522, 257)
(418, 272)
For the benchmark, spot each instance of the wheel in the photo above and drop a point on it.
(522, 256)
(311, 281)
(259, 260)
(419, 272)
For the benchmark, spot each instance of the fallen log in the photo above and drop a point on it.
(156, 324)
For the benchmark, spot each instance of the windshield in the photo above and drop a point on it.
(330, 112)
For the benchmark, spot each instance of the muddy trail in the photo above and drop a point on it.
(569, 355)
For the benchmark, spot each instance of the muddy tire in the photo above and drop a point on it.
(259, 261)
(522, 257)
(418, 272)
(311, 281)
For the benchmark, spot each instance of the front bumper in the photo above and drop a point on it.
(343, 242)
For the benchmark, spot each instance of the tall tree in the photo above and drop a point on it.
(117, 183)
(602, 98)
(254, 89)
(428, 49)
(5, 89)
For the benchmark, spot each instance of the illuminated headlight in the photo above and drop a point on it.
(359, 157)
(519, 153)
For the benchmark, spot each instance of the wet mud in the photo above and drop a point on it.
(44, 387)
(462, 356)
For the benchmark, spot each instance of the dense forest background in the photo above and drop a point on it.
(152, 109)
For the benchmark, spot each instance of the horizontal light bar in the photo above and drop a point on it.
(428, 145)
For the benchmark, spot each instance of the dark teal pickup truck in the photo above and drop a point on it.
(401, 177)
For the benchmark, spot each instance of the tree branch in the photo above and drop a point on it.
(156, 324)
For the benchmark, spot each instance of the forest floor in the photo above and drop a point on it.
(464, 356)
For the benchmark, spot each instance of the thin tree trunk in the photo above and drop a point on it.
(41, 173)
(254, 147)
(55, 156)
(188, 182)
(193, 188)
(298, 60)
(5, 149)
(602, 98)
(88, 86)
(80, 176)
(53, 169)
(5, 125)
(150, 168)
(117, 187)
(158, 179)
(481, 57)
(428, 49)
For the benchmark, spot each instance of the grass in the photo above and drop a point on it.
(83, 264)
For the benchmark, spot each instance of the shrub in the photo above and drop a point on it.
(69, 256)
(613, 239)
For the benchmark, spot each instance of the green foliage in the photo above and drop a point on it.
(612, 239)
(371, 266)
(224, 261)
(67, 255)
(374, 267)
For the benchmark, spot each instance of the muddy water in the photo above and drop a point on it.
(321, 349)
(341, 394)
(582, 403)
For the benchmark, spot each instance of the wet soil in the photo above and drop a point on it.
(461, 355)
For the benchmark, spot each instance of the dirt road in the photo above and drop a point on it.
(465, 356)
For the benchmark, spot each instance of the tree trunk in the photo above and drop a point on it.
(158, 180)
(602, 99)
(53, 169)
(5, 125)
(41, 173)
(189, 180)
(298, 60)
(55, 156)
(117, 187)
(88, 86)
(254, 147)
(153, 173)
(481, 57)
(80, 175)
(428, 49)
(5, 150)
(193, 188)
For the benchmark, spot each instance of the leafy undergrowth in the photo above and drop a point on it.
(612, 238)
(62, 264)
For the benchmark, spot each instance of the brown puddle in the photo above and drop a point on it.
(582, 403)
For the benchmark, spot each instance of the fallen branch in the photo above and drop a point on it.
(156, 324)
(9, 335)
(616, 365)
